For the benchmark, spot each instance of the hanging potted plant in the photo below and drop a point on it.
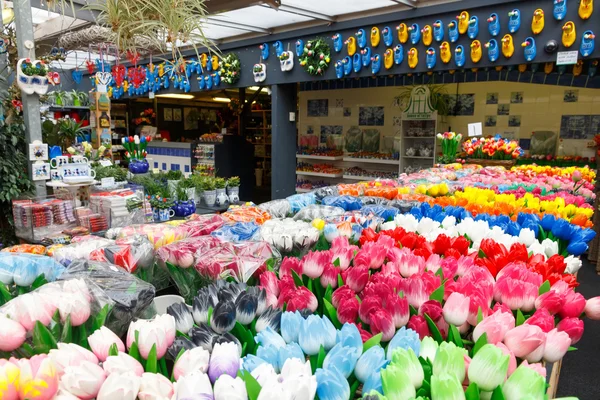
(233, 189)
(209, 194)
(25, 75)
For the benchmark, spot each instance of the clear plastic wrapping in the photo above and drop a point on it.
(80, 249)
(238, 232)
(132, 298)
(386, 212)
(404, 205)
(159, 234)
(201, 225)
(314, 211)
(320, 193)
(26, 248)
(277, 208)
(128, 253)
(372, 200)
(300, 201)
(289, 235)
(348, 203)
(246, 214)
(23, 269)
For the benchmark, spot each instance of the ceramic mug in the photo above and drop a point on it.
(59, 161)
(55, 175)
(77, 171)
(79, 160)
(166, 214)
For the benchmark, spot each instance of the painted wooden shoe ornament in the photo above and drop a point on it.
(388, 37)
(338, 43)
(339, 69)
(445, 52)
(264, 51)
(494, 24)
(278, 48)
(259, 71)
(559, 9)
(459, 56)
(587, 43)
(388, 59)
(413, 57)
(514, 20)
(402, 33)
(366, 56)
(356, 62)
(427, 34)
(347, 62)
(586, 8)
(438, 30)
(537, 24)
(361, 38)
(569, 34)
(508, 46)
(398, 54)
(430, 58)
(300, 47)
(375, 64)
(415, 33)
(476, 51)
(351, 45)
(473, 29)
(375, 36)
(492, 48)
(453, 31)
(530, 50)
(463, 22)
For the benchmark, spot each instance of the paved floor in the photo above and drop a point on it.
(580, 374)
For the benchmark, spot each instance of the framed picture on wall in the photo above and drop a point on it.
(492, 98)
(168, 114)
(177, 115)
(191, 116)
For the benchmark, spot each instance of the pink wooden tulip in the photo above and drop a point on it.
(573, 327)
(314, 263)
(456, 309)
(524, 339)
(84, 380)
(70, 355)
(122, 363)
(12, 334)
(398, 307)
(543, 319)
(381, 321)
(574, 305)
(495, 326)
(551, 301)
(39, 380)
(101, 340)
(557, 345)
(418, 324)
(592, 308)
(537, 367)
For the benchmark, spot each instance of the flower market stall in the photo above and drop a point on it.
(457, 282)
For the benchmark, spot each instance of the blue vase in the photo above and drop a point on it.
(138, 166)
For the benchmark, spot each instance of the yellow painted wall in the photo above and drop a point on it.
(541, 110)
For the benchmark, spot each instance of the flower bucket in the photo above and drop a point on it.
(492, 163)
(210, 197)
(234, 194)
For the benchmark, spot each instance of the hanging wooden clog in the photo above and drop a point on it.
(459, 56)
(463, 22)
(492, 48)
(427, 35)
(587, 43)
(413, 58)
(476, 52)
(473, 29)
(300, 47)
(388, 37)
(508, 47)
(375, 64)
(445, 52)
(453, 31)
(388, 59)
(494, 24)
(356, 62)
(586, 8)
(569, 34)
(361, 38)
(375, 37)
(366, 56)
(530, 50)
(415, 33)
(338, 43)
(430, 58)
(559, 9)
(264, 51)
(438, 30)
(278, 46)
(347, 62)
(398, 54)
(514, 20)
(351, 45)
(537, 24)
(402, 33)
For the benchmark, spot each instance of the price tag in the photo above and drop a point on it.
(566, 57)
(105, 163)
(107, 182)
(155, 171)
(475, 129)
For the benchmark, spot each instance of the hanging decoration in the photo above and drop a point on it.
(530, 50)
(316, 56)
(402, 33)
(119, 72)
(209, 82)
(286, 61)
(514, 20)
(356, 62)
(445, 52)
(415, 33)
(492, 48)
(339, 69)
(459, 56)
(427, 35)
(347, 63)
(361, 39)
(508, 47)
(413, 58)
(260, 72)
(398, 54)
(338, 44)
(366, 56)
(91, 66)
(569, 34)
(494, 24)
(278, 46)
(537, 25)
(216, 78)
(476, 52)
(136, 76)
(53, 78)
(586, 8)
(453, 31)
(77, 76)
(587, 43)
(229, 67)
(375, 64)
(473, 29)
(388, 38)
(375, 36)
(264, 51)
(463, 22)
(351, 45)
(214, 62)
(430, 58)
(388, 59)
(560, 9)
(438, 30)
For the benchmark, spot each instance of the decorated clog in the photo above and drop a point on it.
(209, 81)
(413, 57)
(339, 69)
(351, 45)
(398, 54)
(375, 64)
(264, 51)
(438, 30)
(259, 71)
(530, 50)
(375, 36)
(77, 75)
(278, 48)
(473, 29)
(537, 24)
(402, 33)
(514, 20)
(286, 61)
(463, 22)
(586, 8)
(415, 33)
(476, 52)
(569, 34)
(201, 82)
(445, 52)
(388, 37)
(347, 62)
(338, 43)
(492, 48)
(560, 9)
(300, 47)
(508, 46)
(459, 56)
(453, 31)
(214, 62)
(366, 56)
(587, 43)
(430, 58)
(25, 82)
(494, 24)
(203, 62)
(388, 59)
(427, 34)
(356, 62)
(361, 38)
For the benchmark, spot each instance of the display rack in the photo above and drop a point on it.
(120, 129)
(258, 131)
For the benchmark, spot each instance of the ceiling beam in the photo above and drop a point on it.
(236, 25)
(301, 11)
(410, 3)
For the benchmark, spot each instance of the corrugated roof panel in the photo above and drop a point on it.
(338, 7)
(262, 17)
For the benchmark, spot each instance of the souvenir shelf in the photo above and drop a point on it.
(258, 130)
(120, 128)
(419, 128)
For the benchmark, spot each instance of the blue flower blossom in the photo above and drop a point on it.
(406, 339)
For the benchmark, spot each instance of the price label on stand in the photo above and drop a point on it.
(105, 163)
(107, 182)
